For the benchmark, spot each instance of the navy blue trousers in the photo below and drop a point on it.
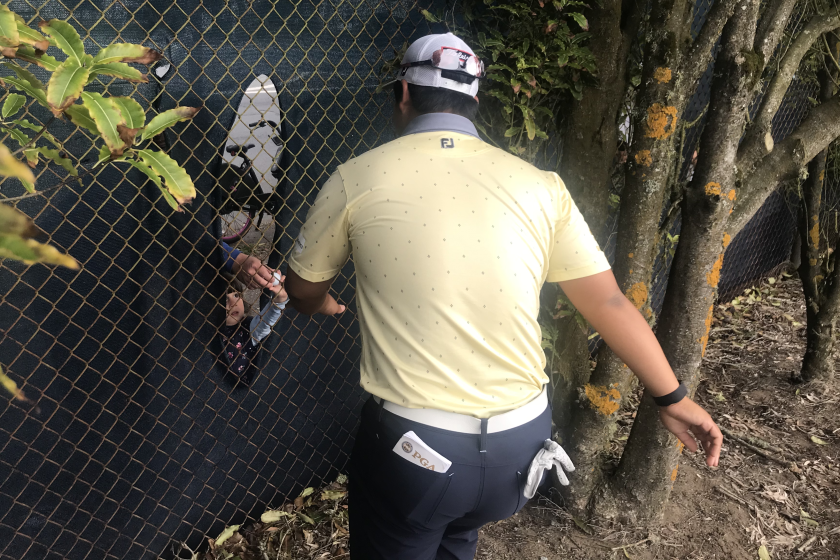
(401, 511)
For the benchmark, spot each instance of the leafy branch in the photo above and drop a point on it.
(119, 123)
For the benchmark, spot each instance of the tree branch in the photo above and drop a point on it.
(700, 53)
(815, 133)
(771, 27)
(757, 143)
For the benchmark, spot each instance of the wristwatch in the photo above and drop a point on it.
(673, 397)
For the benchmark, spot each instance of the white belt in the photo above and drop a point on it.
(465, 424)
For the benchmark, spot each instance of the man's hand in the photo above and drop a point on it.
(687, 416)
(331, 307)
(311, 297)
(253, 273)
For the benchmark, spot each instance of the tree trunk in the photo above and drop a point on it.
(650, 461)
(591, 129)
(671, 69)
(820, 292)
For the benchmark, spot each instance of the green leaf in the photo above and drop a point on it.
(31, 37)
(274, 515)
(10, 386)
(107, 117)
(65, 38)
(18, 136)
(12, 104)
(24, 86)
(25, 74)
(307, 492)
(9, 35)
(430, 17)
(27, 53)
(80, 116)
(56, 156)
(154, 177)
(531, 127)
(23, 123)
(763, 554)
(176, 179)
(65, 85)
(126, 52)
(119, 70)
(306, 518)
(104, 156)
(512, 131)
(132, 112)
(818, 441)
(581, 20)
(166, 119)
(10, 166)
(30, 251)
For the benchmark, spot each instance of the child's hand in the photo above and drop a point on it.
(279, 288)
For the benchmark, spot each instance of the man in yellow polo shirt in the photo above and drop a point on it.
(452, 240)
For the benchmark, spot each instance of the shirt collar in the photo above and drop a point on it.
(438, 122)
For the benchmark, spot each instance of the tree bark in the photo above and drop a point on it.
(815, 133)
(822, 296)
(591, 131)
(755, 146)
(649, 464)
(667, 81)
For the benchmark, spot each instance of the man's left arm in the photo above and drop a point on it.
(601, 302)
(321, 250)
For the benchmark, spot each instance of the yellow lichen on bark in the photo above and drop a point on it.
(704, 340)
(731, 195)
(727, 239)
(713, 189)
(630, 255)
(713, 277)
(814, 232)
(674, 473)
(603, 399)
(822, 175)
(662, 75)
(643, 158)
(812, 262)
(661, 121)
(638, 294)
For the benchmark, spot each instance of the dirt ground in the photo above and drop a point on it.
(749, 501)
(789, 506)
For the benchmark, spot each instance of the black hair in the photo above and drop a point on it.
(427, 99)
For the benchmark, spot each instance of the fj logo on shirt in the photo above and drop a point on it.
(300, 244)
(447, 143)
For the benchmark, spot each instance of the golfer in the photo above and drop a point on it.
(452, 240)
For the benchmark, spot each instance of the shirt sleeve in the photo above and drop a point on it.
(229, 255)
(261, 324)
(323, 245)
(575, 253)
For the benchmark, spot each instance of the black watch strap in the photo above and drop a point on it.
(673, 397)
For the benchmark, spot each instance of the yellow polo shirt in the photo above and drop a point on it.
(452, 240)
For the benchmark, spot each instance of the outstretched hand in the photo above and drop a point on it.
(254, 274)
(688, 420)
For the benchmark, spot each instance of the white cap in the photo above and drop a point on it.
(424, 49)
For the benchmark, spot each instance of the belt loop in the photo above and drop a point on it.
(381, 408)
(483, 438)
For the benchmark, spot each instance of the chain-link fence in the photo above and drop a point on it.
(141, 437)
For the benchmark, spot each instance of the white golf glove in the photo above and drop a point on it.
(549, 456)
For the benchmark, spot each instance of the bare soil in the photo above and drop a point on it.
(750, 501)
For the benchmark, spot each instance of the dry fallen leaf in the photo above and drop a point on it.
(818, 441)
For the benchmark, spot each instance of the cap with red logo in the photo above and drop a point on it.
(443, 61)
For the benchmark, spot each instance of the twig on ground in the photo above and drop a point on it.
(757, 450)
(731, 496)
(626, 546)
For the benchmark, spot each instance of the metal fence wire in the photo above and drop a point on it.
(140, 438)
